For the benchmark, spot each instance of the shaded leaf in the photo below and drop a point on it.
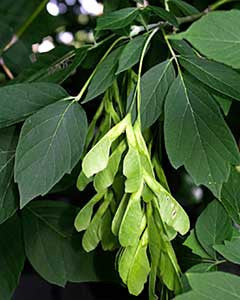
(117, 19)
(186, 8)
(104, 76)
(50, 145)
(163, 14)
(230, 250)
(192, 243)
(8, 189)
(19, 101)
(212, 285)
(213, 227)
(217, 76)
(12, 256)
(51, 246)
(197, 136)
(154, 87)
(230, 195)
(216, 39)
(55, 66)
(131, 53)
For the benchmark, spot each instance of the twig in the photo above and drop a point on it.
(6, 69)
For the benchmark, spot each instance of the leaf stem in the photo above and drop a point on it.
(219, 3)
(25, 25)
(79, 96)
(138, 89)
(28, 22)
(174, 56)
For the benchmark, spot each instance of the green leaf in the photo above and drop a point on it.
(230, 195)
(154, 87)
(131, 227)
(163, 14)
(9, 194)
(132, 170)
(104, 76)
(55, 66)
(197, 136)
(169, 209)
(52, 247)
(184, 7)
(193, 243)
(213, 227)
(97, 158)
(216, 39)
(116, 223)
(230, 250)
(50, 145)
(92, 236)
(223, 101)
(183, 48)
(131, 53)
(5, 35)
(84, 216)
(117, 19)
(217, 76)
(212, 285)
(139, 269)
(19, 101)
(108, 240)
(12, 256)
(105, 178)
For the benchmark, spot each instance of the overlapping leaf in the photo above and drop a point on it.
(51, 245)
(212, 285)
(213, 227)
(216, 39)
(197, 136)
(12, 256)
(19, 101)
(8, 189)
(50, 145)
(117, 19)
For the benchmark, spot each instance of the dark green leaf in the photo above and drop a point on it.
(212, 285)
(12, 257)
(50, 145)
(117, 19)
(224, 102)
(164, 15)
(216, 39)
(55, 66)
(184, 7)
(5, 35)
(230, 195)
(51, 245)
(104, 76)
(19, 101)
(8, 190)
(230, 250)
(197, 136)
(154, 87)
(183, 48)
(213, 226)
(217, 76)
(193, 243)
(131, 53)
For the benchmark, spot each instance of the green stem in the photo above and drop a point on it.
(219, 3)
(166, 5)
(84, 88)
(29, 21)
(138, 89)
(174, 56)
